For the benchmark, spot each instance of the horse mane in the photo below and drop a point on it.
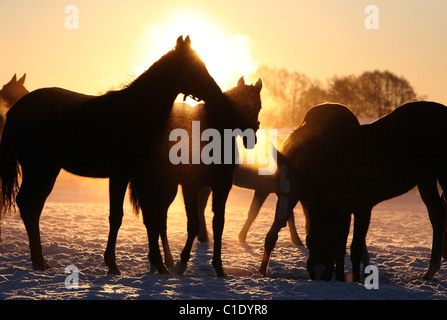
(156, 66)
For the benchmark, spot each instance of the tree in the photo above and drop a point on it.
(281, 96)
(289, 95)
(315, 94)
(373, 93)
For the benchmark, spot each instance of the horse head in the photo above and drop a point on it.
(191, 74)
(246, 102)
(13, 90)
(322, 240)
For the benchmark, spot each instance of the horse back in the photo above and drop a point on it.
(392, 155)
(320, 136)
(44, 106)
(418, 128)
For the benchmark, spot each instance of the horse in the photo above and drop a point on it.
(310, 145)
(378, 161)
(10, 94)
(106, 136)
(185, 159)
(247, 176)
(13, 91)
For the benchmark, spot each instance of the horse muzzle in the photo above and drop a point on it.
(319, 270)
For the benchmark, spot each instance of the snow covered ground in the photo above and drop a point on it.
(75, 233)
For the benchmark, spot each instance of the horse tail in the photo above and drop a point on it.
(134, 197)
(9, 173)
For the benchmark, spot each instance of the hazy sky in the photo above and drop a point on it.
(320, 38)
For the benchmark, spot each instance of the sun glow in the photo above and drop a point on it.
(227, 56)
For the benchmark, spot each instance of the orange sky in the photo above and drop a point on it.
(320, 38)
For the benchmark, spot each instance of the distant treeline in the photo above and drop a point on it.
(287, 96)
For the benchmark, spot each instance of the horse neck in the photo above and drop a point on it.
(223, 118)
(156, 85)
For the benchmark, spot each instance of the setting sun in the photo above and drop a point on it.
(227, 56)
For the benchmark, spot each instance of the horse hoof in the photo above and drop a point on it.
(114, 271)
(164, 271)
(169, 263)
(180, 268)
(113, 268)
(263, 269)
(221, 274)
(219, 269)
(432, 270)
(242, 238)
(41, 266)
(428, 276)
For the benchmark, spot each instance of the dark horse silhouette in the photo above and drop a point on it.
(96, 136)
(374, 163)
(13, 91)
(209, 162)
(10, 94)
(310, 144)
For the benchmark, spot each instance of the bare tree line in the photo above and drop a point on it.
(289, 95)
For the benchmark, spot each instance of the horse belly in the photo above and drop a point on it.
(382, 182)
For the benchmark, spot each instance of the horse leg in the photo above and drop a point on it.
(220, 196)
(36, 186)
(282, 215)
(340, 246)
(256, 204)
(361, 224)
(429, 194)
(153, 221)
(203, 200)
(190, 196)
(365, 256)
(150, 194)
(293, 233)
(117, 191)
(170, 196)
(444, 239)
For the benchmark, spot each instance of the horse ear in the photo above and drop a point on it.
(258, 85)
(22, 79)
(179, 42)
(188, 40)
(241, 82)
(14, 78)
